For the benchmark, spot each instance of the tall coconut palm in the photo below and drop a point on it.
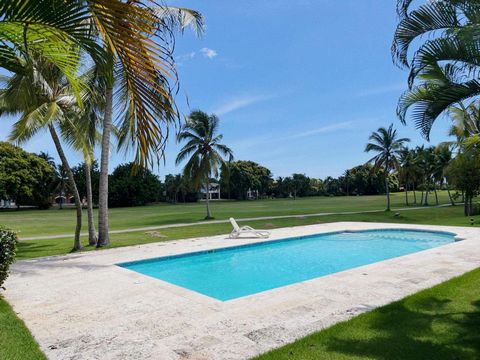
(387, 145)
(203, 151)
(117, 75)
(42, 97)
(444, 67)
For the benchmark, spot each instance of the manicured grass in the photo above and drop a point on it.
(434, 216)
(439, 323)
(55, 221)
(16, 342)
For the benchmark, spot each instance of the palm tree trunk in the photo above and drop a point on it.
(207, 200)
(406, 193)
(449, 194)
(92, 234)
(435, 191)
(103, 237)
(388, 191)
(426, 195)
(414, 193)
(466, 206)
(78, 205)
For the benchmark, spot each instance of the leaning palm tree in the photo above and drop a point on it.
(387, 145)
(203, 150)
(444, 67)
(42, 97)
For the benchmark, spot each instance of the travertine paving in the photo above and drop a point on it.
(82, 306)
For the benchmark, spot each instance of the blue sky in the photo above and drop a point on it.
(298, 85)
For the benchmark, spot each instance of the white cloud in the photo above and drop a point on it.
(240, 102)
(209, 53)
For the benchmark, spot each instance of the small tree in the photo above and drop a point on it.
(133, 188)
(21, 173)
(465, 174)
(239, 176)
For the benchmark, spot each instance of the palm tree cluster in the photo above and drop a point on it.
(72, 65)
(428, 169)
(425, 169)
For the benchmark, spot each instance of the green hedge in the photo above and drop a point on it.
(8, 247)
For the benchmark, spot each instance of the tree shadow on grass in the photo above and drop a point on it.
(426, 328)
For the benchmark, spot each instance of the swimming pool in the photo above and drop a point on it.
(234, 272)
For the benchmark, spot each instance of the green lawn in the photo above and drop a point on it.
(16, 343)
(439, 323)
(55, 221)
(435, 216)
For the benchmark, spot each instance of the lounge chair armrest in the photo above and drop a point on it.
(249, 228)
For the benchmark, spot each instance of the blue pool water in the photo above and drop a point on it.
(230, 273)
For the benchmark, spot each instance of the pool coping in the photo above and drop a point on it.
(66, 301)
(270, 241)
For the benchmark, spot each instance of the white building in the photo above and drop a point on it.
(213, 192)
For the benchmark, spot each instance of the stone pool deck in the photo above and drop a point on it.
(82, 306)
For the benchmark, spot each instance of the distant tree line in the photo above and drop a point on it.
(242, 176)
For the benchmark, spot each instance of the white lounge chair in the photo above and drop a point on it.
(246, 230)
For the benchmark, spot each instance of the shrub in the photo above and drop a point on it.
(8, 245)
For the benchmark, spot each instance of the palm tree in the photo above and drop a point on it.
(42, 97)
(134, 38)
(444, 157)
(49, 159)
(387, 145)
(426, 162)
(444, 68)
(83, 137)
(407, 170)
(61, 183)
(204, 152)
(466, 123)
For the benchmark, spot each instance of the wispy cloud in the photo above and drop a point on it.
(385, 89)
(249, 143)
(241, 102)
(322, 130)
(185, 57)
(209, 53)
